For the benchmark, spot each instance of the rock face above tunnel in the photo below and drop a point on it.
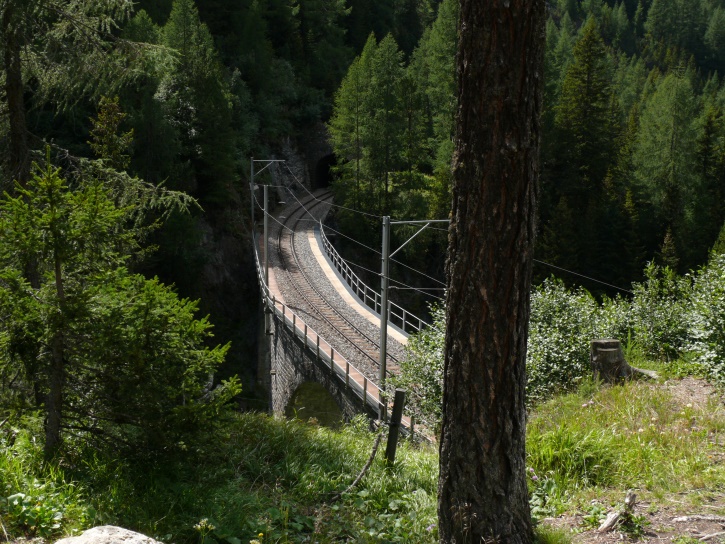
(319, 156)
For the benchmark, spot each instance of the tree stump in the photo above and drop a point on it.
(608, 362)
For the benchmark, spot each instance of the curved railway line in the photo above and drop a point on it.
(313, 299)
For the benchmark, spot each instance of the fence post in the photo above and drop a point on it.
(394, 427)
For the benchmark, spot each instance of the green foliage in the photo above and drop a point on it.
(623, 437)
(561, 325)
(572, 456)
(421, 372)
(275, 477)
(583, 116)
(106, 142)
(36, 501)
(664, 153)
(197, 100)
(658, 312)
(131, 354)
(707, 318)
(672, 319)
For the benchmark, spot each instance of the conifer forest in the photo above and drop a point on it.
(129, 303)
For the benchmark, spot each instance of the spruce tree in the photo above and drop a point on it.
(197, 99)
(583, 119)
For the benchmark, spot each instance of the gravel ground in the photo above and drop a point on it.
(315, 273)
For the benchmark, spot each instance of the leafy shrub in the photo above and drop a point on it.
(707, 318)
(421, 372)
(36, 501)
(562, 324)
(658, 312)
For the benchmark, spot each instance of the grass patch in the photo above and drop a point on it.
(636, 435)
(264, 476)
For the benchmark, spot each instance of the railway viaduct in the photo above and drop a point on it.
(293, 355)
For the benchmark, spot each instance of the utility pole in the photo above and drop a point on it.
(384, 275)
(252, 186)
(266, 235)
(384, 280)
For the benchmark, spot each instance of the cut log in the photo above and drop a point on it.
(608, 362)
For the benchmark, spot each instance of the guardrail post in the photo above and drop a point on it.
(318, 347)
(332, 359)
(347, 375)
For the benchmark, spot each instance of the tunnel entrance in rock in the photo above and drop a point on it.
(323, 172)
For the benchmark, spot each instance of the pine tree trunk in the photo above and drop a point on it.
(19, 159)
(483, 495)
(54, 402)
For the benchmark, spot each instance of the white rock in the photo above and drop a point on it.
(108, 534)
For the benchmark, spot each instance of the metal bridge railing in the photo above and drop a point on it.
(397, 315)
(347, 374)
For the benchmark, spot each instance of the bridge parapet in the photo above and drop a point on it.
(397, 315)
(314, 359)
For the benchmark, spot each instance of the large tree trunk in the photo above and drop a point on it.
(19, 159)
(483, 495)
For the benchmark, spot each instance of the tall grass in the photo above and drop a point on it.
(263, 476)
(277, 478)
(632, 436)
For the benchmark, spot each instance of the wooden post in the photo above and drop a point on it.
(394, 430)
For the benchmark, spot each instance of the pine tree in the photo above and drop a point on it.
(102, 342)
(67, 54)
(434, 70)
(348, 132)
(385, 132)
(664, 155)
(583, 118)
(198, 100)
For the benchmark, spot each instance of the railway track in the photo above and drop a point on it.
(315, 301)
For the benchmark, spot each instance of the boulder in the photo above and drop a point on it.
(108, 534)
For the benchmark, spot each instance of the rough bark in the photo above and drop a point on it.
(483, 495)
(19, 152)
